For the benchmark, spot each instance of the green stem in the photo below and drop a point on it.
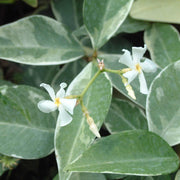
(113, 71)
(89, 84)
(73, 97)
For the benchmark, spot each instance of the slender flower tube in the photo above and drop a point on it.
(58, 101)
(137, 67)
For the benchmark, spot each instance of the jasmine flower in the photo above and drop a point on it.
(136, 67)
(58, 101)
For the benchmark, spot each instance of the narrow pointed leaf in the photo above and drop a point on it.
(163, 110)
(26, 132)
(163, 42)
(102, 18)
(131, 152)
(38, 40)
(72, 140)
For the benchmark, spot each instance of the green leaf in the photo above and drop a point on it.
(38, 40)
(68, 12)
(81, 31)
(7, 1)
(131, 25)
(131, 152)
(111, 61)
(1, 169)
(33, 3)
(4, 83)
(163, 110)
(87, 176)
(163, 42)
(124, 115)
(156, 10)
(102, 18)
(35, 75)
(115, 45)
(114, 176)
(72, 140)
(26, 133)
(177, 177)
(63, 75)
(163, 177)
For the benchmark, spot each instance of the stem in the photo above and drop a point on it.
(73, 97)
(89, 84)
(94, 54)
(113, 71)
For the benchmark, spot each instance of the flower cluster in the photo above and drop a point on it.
(136, 67)
(58, 101)
(66, 106)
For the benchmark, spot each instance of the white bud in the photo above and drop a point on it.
(94, 129)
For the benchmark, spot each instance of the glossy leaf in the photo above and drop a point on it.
(156, 10)
(163, 42)
(102, 18)
(163, 110)
(72, 140)
(131, 152)
(26, 133)
(124, 115)
(112, 62)
(38, 40)
(68, 12)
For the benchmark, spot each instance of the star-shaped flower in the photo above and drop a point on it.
(65, 106)
(137, 67)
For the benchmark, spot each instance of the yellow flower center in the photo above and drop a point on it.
(138, 68)
(57, 101)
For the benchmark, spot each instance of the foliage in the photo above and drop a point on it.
(121, 127)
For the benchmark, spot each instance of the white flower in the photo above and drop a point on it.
(65, 106)
(137, 67)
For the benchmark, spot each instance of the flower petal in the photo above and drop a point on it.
(130, 75)
(126, 59)
(64, 117)
(49, 89)
(47, 106)
(61, 93)
(143, 84)
(137, 53)
(68, 104)
(148, 66)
